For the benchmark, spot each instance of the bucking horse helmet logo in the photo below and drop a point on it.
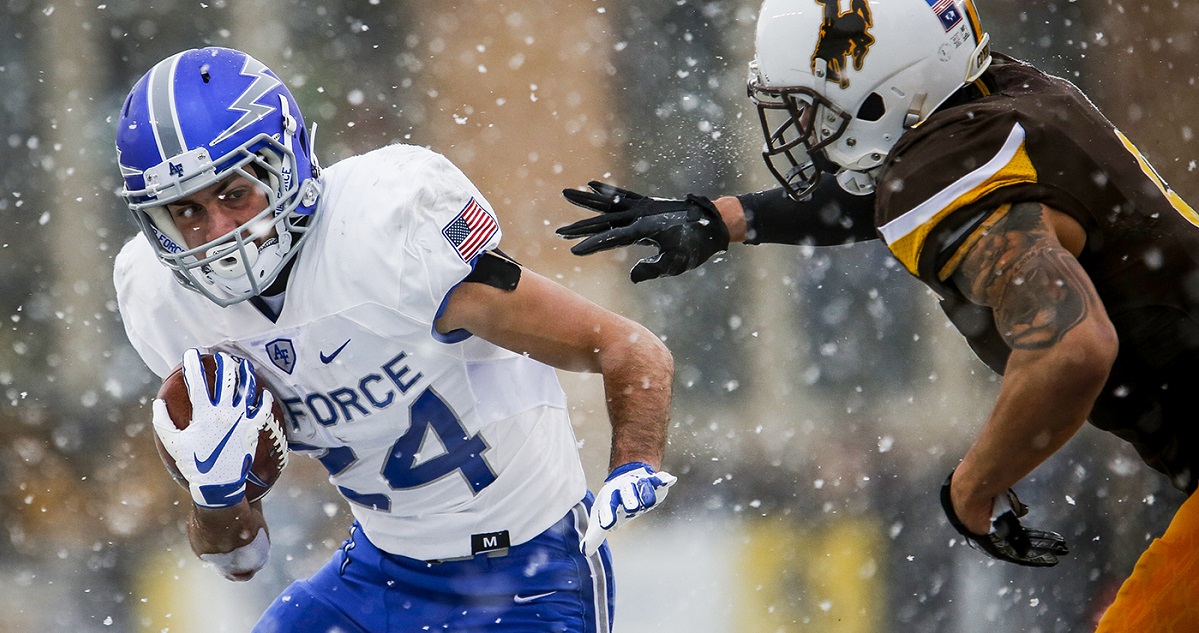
(843, 35)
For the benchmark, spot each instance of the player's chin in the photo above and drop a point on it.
(241, 576)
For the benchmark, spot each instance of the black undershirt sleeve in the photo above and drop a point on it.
(830, 216)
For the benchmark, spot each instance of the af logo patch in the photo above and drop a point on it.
(843, 35)
(282, 353)
(176, 169)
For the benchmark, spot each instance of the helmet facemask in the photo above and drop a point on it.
(246, 261)
(798, 125)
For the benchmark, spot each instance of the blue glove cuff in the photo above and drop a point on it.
(624, 468)
(223, 495)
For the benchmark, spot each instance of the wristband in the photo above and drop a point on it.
(243, 560)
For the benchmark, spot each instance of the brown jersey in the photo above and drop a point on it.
(1037, 138)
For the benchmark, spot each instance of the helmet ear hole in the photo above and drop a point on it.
(873, 108)
(302, 134)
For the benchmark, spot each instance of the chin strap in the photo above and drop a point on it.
(289, 130)
(244, 561)
(316, 164)
(312, 188)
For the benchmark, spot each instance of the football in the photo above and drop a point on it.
(271, 454)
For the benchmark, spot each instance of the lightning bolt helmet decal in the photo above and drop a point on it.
(247, 103)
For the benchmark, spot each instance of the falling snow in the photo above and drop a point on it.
(820, 399)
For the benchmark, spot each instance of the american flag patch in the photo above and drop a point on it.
(948, 11)
(470, 230)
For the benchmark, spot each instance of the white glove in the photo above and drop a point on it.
(214, 453)
(631, 490)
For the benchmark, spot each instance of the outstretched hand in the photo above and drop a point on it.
(686, 232)
(1008, 540)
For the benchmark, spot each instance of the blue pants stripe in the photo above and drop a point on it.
(600, 565)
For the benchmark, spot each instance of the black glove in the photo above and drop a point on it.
(1008, 540)
(687, 232)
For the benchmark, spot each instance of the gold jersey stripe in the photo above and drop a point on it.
(956, 259)
(1175, 200)
(905, 235)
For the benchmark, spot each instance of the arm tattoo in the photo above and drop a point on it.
(1037, 289)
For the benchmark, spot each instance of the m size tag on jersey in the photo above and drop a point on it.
(489, 542)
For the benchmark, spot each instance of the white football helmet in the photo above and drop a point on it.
(836, 88)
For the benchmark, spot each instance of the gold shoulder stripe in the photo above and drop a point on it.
(956, 259)
(905, 234)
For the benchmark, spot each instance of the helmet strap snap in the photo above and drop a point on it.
(914, 116)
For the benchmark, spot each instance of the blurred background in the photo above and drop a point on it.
(820, 397)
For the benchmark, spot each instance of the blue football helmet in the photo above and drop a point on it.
(194, 119)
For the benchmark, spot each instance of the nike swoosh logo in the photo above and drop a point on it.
(519, 599)
(206, 465)
(328, 359)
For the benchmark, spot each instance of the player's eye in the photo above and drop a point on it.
(233, 195)
(188, 212)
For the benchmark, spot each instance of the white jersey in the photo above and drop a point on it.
(436, 441)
